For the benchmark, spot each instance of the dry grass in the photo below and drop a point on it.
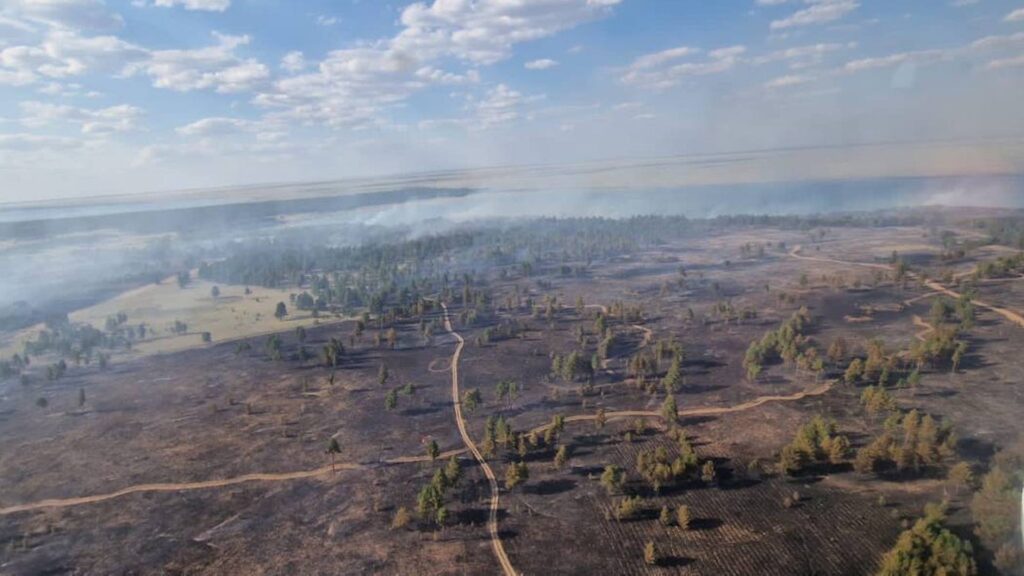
(232, 315)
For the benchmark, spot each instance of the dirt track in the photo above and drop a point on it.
(492, 520)
(204, 484)
(932, 284)
(709, 411)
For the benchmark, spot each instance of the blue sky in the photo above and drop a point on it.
(108, 97)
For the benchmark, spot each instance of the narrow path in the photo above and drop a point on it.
(707, 411)
(1008, 314)
(795, 253)
(173, 487)
(205, 484)
(932, 284)
(925, 327)
(492, 520)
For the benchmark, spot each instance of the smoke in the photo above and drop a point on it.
(60, 263)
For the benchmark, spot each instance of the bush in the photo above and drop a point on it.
(928, 548)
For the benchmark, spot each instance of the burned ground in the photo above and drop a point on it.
(218, 412)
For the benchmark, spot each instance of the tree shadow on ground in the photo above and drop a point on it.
(675, 562)
(550, 487)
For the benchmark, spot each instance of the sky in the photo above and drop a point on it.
(105, 97)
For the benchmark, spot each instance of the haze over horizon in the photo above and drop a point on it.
(114, 97)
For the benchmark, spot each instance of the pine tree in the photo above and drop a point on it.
(683, 517)
(665, 517)
(401, 519)
(650, 554)
(452, 471)
(333, 448)
(707, 472)
(669, 410)
(561, 455)
(673, 377)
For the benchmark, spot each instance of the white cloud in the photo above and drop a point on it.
(632, 105)
(438, 76)
(63, 53)
(658, 58)
(1014, 62)
(817, 12)
(24, 142)
(324, 20)
(962, 3)
(16, 77)
(484, 33)
(975, 51)
(353, 87)
(891, 60)
(801, 56)
(214, 67)
(497, 106)
(100, 121)
(542, 64)
(787, 81)
(216, 126)
(293, 61)
(203, 5)
(73, 14)
(500, 105)
(660, 69)
(1015, 16)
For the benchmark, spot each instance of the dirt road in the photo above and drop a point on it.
(206, 484)
(492, 520)
(932, 284)
(708, 411)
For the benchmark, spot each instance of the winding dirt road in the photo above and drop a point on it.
(492, 520)
(205, 484)
(935, 286)
(707, 411)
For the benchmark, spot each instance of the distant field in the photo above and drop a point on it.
(233, 314)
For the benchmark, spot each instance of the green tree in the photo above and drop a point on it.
(81, 397)
(929, 549)
(433, 450)
(280, 311)
(516, 474)
(673, 377)
(612, 478)
(561, 456)
(669, 410)
(442, 516)
(854, 371)
(391, 400)
(683, 517)
(401, 519)
(707, 472)
(754, 371)
(650, 554)
(471, 399)
(665, 517)
(960, 476)
(452, 471)
(333, 449)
